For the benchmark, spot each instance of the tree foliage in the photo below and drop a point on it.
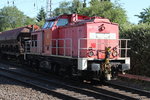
(41, 15)
(64, 7)
(140, 48)
(139, 44)
(11, 17)
(68, 7)
(84, 4)
(76, 6)
(102, 8)
(106, 9)
(144, 16)
(40, 23)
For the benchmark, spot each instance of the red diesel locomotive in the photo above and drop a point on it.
(76, 45)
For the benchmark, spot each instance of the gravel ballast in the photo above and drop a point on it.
(13, 90)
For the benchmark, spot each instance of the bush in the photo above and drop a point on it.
(140, 48)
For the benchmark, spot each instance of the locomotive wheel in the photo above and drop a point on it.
(45, 65)
(102, 77)
(56, 69)
(71, 71)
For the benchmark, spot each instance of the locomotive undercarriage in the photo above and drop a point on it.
(68, 67)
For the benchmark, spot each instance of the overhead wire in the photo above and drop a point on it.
(37, 4)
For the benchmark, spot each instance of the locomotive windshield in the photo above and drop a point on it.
(62, 22)
(48, 24)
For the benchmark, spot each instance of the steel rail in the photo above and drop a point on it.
(10, 74)
(130, 89)
(76, 83)
(43, 88)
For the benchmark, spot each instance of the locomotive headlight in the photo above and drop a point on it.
(90, 52)
(114, 52)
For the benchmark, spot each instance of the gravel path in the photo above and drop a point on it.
(12, 90)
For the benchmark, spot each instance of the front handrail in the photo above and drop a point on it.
(64, 47)
(119, 45)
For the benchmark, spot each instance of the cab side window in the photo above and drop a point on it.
(62, 22)
(48, 25)
(45, 25)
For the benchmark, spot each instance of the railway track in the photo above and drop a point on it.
(74, 90)
(135, 91)
(61, 90)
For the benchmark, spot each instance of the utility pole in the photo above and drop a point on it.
(49, 8)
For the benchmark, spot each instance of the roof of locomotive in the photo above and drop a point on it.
(56, 17)
(81, 19)
(14, 33)
(52, 18)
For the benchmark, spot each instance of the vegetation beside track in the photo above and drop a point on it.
(140, 48)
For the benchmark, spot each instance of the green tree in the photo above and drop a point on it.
(76, 6)
(68, 7)
(104, 0)
(28, 20)
(41, 15)
(40, 23)
(94, 2)
(144, 16)
(140, 48)
(84, 4)
(64, 7)
(107, 9)
(11, 17)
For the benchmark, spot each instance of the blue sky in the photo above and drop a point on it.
(31, 7)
